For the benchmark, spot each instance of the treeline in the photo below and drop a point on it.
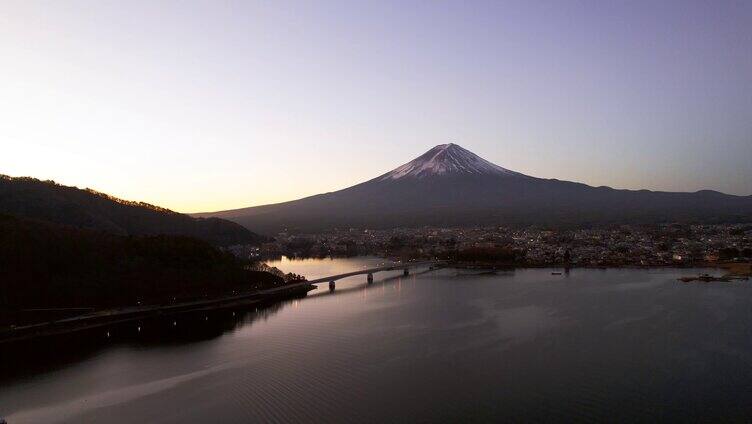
(495, 255)
(45, 265)
(732, 253)
(92, 210)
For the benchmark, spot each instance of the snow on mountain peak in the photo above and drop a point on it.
(446, 159)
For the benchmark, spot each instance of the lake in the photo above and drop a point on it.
(442, 346)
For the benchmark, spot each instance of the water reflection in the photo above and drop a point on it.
(600, 345)
(26, 358)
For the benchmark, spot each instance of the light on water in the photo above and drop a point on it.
(439, 346)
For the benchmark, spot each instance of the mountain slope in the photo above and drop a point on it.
(449, 185)
(446, 159)
(47, 265)
(88, 209)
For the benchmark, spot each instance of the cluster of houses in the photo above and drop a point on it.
(647, 245)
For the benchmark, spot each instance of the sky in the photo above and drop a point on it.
(204, 106)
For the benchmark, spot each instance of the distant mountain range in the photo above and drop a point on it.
(451, 186)
(90, 210)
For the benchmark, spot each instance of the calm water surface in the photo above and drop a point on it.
(445, 346)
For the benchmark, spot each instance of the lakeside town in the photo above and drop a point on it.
(622, 245)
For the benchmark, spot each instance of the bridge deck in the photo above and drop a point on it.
(394, 267)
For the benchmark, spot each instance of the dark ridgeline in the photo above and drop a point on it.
(88, 209)
(46, 265)
(450, 186)
(63, 247)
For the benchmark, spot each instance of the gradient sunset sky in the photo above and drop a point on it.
(202, 106)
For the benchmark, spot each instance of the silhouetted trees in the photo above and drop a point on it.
(92, 210)
(490, 255)
(48, 265)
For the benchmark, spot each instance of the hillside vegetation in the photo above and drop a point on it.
(91, 210)
(45, 265)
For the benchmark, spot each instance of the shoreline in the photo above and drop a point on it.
(735, 268)
(562, 266)
(106, 317)
(507, 265)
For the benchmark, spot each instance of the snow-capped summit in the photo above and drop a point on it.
(450, 186)
(446, 159)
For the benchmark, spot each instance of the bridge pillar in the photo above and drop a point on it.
(331, 285)
(406, 272)
(370, 278)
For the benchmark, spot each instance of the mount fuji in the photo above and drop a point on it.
(446, 159)
(451, 186)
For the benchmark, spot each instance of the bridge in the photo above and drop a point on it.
(101, 318)
(405, 267)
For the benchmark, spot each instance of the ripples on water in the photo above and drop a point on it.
(597, 345)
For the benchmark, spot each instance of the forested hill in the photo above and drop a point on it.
(88, 209)
(46, 265)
